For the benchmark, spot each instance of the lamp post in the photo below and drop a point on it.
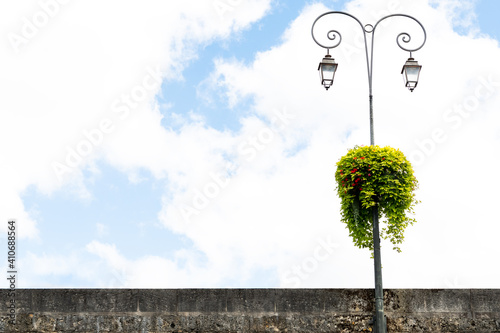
(410, 71)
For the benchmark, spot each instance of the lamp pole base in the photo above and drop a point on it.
(376, 327)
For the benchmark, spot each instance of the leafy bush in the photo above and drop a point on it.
(373, 176)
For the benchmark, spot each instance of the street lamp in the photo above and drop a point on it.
(410, 71)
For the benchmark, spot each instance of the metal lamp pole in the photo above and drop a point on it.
(411, 71)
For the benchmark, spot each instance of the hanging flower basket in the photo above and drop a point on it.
(373, 176)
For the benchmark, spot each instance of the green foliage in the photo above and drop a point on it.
(372, 176)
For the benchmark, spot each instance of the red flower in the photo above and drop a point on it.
(383, 158)
(370, 174)
(362, 158)
(355, 158)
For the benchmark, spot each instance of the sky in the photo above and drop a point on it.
(162, 144)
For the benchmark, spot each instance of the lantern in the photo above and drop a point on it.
(411, 72)
(327, 69)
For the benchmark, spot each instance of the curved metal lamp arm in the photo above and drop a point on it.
(332, 34)
(403, 37)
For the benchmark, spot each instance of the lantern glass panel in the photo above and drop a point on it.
(412, 73)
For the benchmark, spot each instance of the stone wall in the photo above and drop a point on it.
(248, 310)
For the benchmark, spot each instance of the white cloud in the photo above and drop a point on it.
(459, 13)
(263, 198)
(68, 68)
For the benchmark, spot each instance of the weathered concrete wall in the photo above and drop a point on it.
(248, 310)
